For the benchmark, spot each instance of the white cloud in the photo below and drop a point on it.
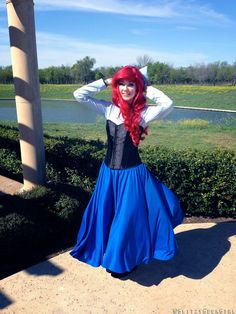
(141, 31)
(132, 7)
(56, 49)
(189, 11)
(187, 28)
(51, 51)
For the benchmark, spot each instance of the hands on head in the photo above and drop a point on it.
(108, 81)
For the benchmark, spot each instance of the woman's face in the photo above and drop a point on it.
(127, 90)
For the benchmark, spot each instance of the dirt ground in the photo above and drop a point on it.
(200, 280)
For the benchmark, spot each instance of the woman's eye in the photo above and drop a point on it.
(130, 85)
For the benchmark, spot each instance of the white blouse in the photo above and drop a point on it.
(163, 104)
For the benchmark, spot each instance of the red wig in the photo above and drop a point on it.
(131, 113)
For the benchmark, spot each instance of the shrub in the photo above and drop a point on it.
(50, 216)
(204, 181)
(24, 222)
(37, 222)
(193, 123)
(10, 163)
(66, 207)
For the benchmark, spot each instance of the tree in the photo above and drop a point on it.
(159, 73)
(107, 72)
(225, 72)
(234, 73)
(212, 70)
(99, 75)
(144, 60)
(200, 73)
(6, 76)
(82, 70)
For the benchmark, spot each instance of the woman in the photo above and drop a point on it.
(131, 215)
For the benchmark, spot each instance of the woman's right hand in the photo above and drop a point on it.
(108, 81)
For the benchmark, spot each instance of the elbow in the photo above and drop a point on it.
(168, 108)
(78, 96)
(169, 105)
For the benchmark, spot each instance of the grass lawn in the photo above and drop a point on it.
(196, 134)
(219, 97)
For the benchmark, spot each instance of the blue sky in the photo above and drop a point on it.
(116, 32)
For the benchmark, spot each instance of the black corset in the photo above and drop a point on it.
(121, 152)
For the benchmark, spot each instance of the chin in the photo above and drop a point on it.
(128, 99)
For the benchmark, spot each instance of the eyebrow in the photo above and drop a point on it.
(123, 81)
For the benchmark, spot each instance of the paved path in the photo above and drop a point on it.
(9, 186)
(201, 280)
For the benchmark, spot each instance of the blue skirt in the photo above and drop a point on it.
(129, 221)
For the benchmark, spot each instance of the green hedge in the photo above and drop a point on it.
(204, 181)
(50, 216)
(37, 223)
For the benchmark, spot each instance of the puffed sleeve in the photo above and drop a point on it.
(163, 105)
(84, 93)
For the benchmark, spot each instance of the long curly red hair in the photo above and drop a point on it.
(131, 113)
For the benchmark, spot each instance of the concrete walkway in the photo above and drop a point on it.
(201, 280)
(9, 186)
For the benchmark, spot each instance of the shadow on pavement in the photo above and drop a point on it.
(45, 268)
(4, 301)
(201, 250)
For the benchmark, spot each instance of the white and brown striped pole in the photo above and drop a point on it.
(27, 94)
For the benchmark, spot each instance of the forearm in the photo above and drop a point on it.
(163, 105)
(88, 90)
(84, 95)
(159, 97)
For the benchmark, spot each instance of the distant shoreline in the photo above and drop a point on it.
(207, 109)
(177, 107)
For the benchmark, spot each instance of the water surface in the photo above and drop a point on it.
(58, 111)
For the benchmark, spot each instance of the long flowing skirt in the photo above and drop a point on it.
(129, 220)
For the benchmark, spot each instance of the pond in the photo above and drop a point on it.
(71, 112)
